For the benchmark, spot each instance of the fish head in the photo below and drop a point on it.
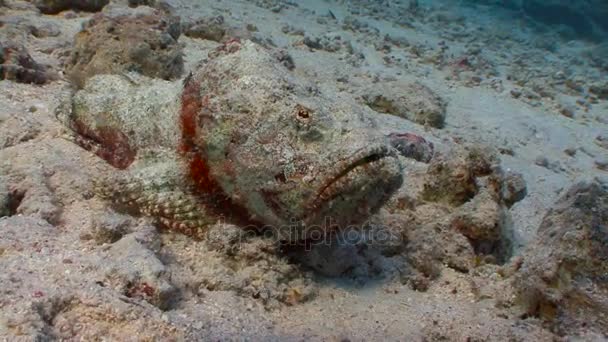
(301, 160)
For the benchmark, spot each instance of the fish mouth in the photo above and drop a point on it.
(359, 185)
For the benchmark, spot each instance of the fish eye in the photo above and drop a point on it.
(303, 114)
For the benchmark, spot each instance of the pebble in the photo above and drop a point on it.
(602, 164)
(560, 75)
(571, 151)
(602, 141)
(541, 161)
(567, 111)
(515, 93)
(69, 15)
(515, 188)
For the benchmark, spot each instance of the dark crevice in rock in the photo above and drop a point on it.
(14, 201)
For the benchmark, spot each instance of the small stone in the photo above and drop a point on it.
(541, 161)
(209, 28)
(560, 75)
(600, 90)
(602, 141)
(567, 111)
(45, 30)
(69, 15)
(571, 151)
(602, 164)
(514, 188)
(110, 228)
(574, 85)
(515, 93)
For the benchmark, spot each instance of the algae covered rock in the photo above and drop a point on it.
(140, 41)
(563, 278)
(479, 218)
(413, 101)
(514, 188)
(451, 179)
(211, 28)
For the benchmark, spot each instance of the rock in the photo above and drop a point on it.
(44, 30)
(353, 24)
(167, 6)
(570, 151)
(210, 28)
(431, 246)
(17, 65)
(567, 111)
(600, 90)
(330, 42)
(56, 6)
(17, 129)
(137, 41)
(563, 276)
(452, 179)
(33, 197)
(291, 30)
(240, 262)
(601, 163)
(275, 6)
(602, 141)
(134, 270)
(412, 101)
(412, 146)
(541, 161)
(225, 238)
(597, 56)
(110, 227)
(479, 219)
(69, 15)
(485, 219)
(284, 58)
(515, 93)
(514, 188)
(357, 254)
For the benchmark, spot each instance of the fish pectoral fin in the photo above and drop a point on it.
(173, 209)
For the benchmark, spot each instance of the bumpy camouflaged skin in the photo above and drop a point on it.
(241, 138)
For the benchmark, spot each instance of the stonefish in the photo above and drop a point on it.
(243, 139)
